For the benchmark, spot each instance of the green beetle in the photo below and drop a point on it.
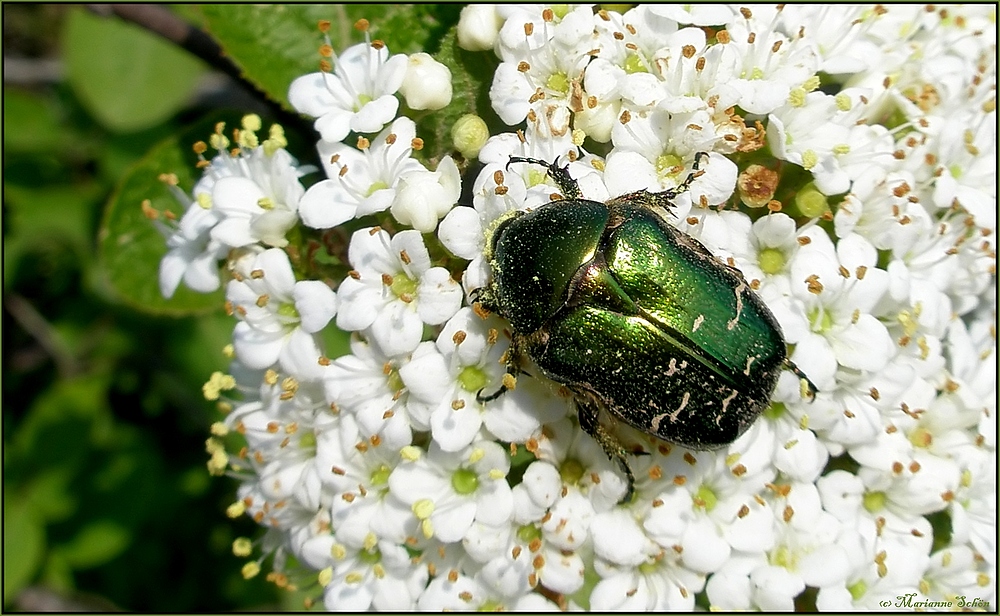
(633, 316)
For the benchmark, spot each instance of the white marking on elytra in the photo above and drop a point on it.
(739, 306)
(698, 322)
(750, 360)
(684, 403)
(725, 403)
(672, 367)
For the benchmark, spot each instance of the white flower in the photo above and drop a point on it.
(427, 84)
(423, 197)
(357, 96)
(192, 255)
(766, 65)
(362, 182)
(534, 553)
(247, 195)
(468, 361)
(838, 288)
(967, 162)
(638, 574)
(539, 55)
(461, 592)
(657, 152)
(593, 483)
(378, 575)
(450, 491)
(369, 385)
(279, 317)
(393, 289)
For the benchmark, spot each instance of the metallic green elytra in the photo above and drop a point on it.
(633, 316)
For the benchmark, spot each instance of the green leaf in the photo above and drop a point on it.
(130, 245)
(96, 544)
(23, 545)
(31, 123)
(129, 79)
(274, 44)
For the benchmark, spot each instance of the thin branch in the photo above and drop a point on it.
(38, 328)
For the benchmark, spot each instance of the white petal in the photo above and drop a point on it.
(397, 329)
(371, 255)
(316, 304)
(278, 275)
(704, 549)
(391, 75)
(864, 345)
(300, 355)
(461, 232)
(410, 241)
(494, 502)
(237, 195)
(454, 429)
(618, 538)
(439, 297)
(256, 349)
(308, 94)
(450, 180)
(826, 566)
(563, 573)
(451, 524)
(358, 304)
(172, 268)
(233, 232)
(343, 597)
(618, 594)
(627, 172)
(325, 205)
(375, 114)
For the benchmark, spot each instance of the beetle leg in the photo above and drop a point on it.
(588, 411)
(510, 377)
(808, 389)
(686, 184)
(561, 176)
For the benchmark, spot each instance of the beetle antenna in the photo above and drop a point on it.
(560, 175)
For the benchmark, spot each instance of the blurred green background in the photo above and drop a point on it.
(107, 502)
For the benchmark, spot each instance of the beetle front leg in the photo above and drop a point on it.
(509, 381)
(588, 412)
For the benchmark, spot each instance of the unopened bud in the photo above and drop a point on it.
(427, 84)
(469, 135)
(811, 202)
(478, 27)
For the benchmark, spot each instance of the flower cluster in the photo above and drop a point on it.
(849, 174)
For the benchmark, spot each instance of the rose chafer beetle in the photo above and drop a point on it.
(633, 316)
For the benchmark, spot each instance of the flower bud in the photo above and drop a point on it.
(811, 202)
(423, 197)
(427, 84)
(597, 122)
(469, 135)
(478, 27)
